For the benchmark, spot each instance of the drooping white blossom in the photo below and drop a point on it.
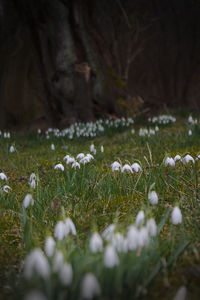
(132, 237)
(188, 158)
(169, 161)
(58, 261)
(116, 166)
(96, 243)
(60, 230)
(12, 149)
(66, 274)
(75, 165)
(108, 232)
(119, 242)
(143, 239)
(176, 216)
(59, 167)
(28, 200)
(52, 147)
(127, 168)
(151, 227)
(177, 158)
(140, 218)
(3, 176)
(111, 258)
(153, 197)
(6, 189)
(136, 167)
(80, 156)
(90, 287)
(36, 262)
(70, 227)
(50, 245)
(102, 149)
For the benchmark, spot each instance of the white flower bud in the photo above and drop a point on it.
(133, 237)
(169, 161)
(110, 257)
(151, 227)
(176, 216)
(96, 243)
(36, 262)
(60, 230)
(139, 218)
(153, 197)
(90, 287)
(50, 246)
(66, 274)
(28, 200)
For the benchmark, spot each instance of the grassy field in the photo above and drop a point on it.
(121, 265)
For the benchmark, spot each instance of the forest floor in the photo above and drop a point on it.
(94, 197)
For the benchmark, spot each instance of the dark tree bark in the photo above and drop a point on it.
(68, 60)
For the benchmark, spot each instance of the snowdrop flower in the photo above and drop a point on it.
(66, 274)
(92, 149)
(50, 245)
(3, 177)
(187, 159)
(60, 230)
(58, 261)
(96, 243)
(35, 295)
(116, 166)
(177, 157)
(66, 157)
(151, 227)
(90, 287)
(89, 156)
(59, 167)
(176, 216)
(6, 189)
(12, 149)
(143, 237)
(108, 232)
(36, 262)
(139, 218)
(39, 131)
(169, 161)
(190, 132)
(102, 149)
(70, 160)
(70, 227)
(133, 131)
(153, 197)
(75, 165)
(33, 184)
(126, 167)
(52, 147)
(119, 242)
(181, 293)
(28, 200)
(84, 160)
(198, 157)
(132, 237)
(32, 177)
(110, 257)
(80, 156)
(136, 167)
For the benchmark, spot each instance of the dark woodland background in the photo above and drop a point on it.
(68, 60)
